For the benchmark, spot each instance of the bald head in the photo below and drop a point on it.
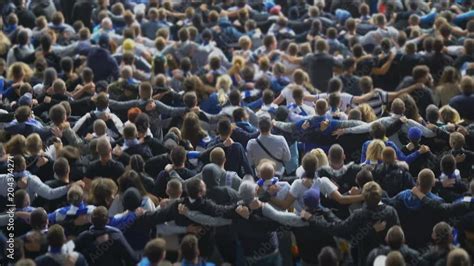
(266, 170)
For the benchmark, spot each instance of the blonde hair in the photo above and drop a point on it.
(34, 144)
(27, 71)
(16, 145)
(449, 115)
(321, 156)
(375, 150)
(4, 44)
(367, 113)
(223, 85)
(237, 64)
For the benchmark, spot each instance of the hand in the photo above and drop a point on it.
(431, 126)
(58, 145)
(338, 133)
(193, 229)
(104, 116)
(255, 204)
(79, 183)
(410, 146)
(379, 226)
(47, 99)
(195, 109)
(305, 125)
(307, 182)
(34, 102)
(451, 127)
(22, 182)
(460, 158)
(42, 160)
(139, 211)
(169, 168)
(150, 106)
(403, 119)
(89, 137)
(273, 189)
(117, 151)
(324, 125)
(424, 149)
(355, 191)
(448, 183)
(57, 132)
(243, 211)
(164, 203)
(182, 209)
(305, 215)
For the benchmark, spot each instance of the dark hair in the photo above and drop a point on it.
(448, 164)
(38, 218)
(189, 247)
(238, 114)
(56, 236)
(328, 257)
(100, 217)
(178, 155)
(155, 250)
(224, 127)
(193, 188)
(61, 167)
(377, 130)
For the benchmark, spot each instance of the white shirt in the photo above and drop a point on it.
(297, 190)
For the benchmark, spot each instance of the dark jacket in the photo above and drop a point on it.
(320, 69)
(411, 256)
(118, 251)
(393, 178)
(102, 64)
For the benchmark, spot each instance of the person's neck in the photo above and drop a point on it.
(104, 160)
(178, 166)
(65, 179)
(425, 191)
(336, 166)
(265, 133)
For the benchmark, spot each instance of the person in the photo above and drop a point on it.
(395, 241)
(268, 146)
(154, 253)
(56, 255)
(105, 166)
(442, 239)
(88, 241)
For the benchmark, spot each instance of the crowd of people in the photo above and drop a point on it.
(237, 132)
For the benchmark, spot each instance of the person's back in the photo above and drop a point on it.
(320, 69)
(393, 178)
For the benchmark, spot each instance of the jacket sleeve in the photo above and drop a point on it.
(245, 162)
(118, 105)
(169, 110)
(284, 218)
(204, 219)
(129, 255)
(44, 190)
(226, 211)
(448, 209)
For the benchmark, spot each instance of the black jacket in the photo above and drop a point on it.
(393, 178)
(118, 251)
(411, 256)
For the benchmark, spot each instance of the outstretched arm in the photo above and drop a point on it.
(284, 218)
(204, 219)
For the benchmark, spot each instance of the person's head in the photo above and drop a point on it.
(449, 115)
(130, 132)
(336, 156)
(456, 140)
(61, 167)
(467, 85)
(414, 135)
(395, 237)
(450, 75)
(266, 169)
(321, 46)
(34, 145)
(426, 180)
(442, 234)
(22, 199)
(104, 148)
(240, 114)
(420, 73)
(367, 113)
(310, 165)
(458, 257)
(265, 124)
(328, 257)
(398, 107)
(100, 217)
(372, 193)
(99, 127)
(189, 248)
(217, 156)
(375, 150)
(57, 114)
(235, 97)
(395, 258)
(380, 20)
(155, 250)
(196, 188)
(298, 95)
(432, 114)
(38, 219)
(363, 177)
(268, 96)
(178, 156)
(174, 189)
(335, 85)
(102, 101)
(56, 236)
(16, 146)
(321, 106)
(354, 114)
(448, 164)
(75, 195)
(270, 42)
(366, 84)
(103, 191)
(322, 157)
(389, 156)
(22, 113)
